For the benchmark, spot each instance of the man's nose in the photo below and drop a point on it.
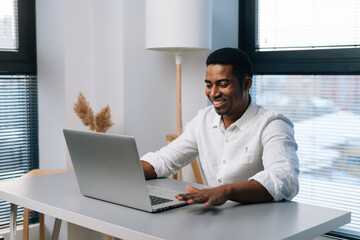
(214, 92)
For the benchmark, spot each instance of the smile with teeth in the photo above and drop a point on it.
(218, 102)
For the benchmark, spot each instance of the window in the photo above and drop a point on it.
(314, 80)
(18, 95)
(8, 26)
(307, 25)
(325, 111)
(281, 43)
(17, 37)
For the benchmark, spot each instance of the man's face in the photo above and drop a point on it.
(224, 91)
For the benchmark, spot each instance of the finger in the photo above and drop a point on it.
(179, 197)
(184, 196)
(212, 202)
(191, 189)
(197, 200)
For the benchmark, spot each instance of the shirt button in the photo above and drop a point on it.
(224, 161)
(219, 181)
(226, 140)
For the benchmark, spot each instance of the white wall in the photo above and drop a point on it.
(150, 77)
(79, 48)
(150, 84)
(94, 59)
(98, 47)
(51, 82)
(225, 24)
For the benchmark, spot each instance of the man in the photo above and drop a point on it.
(247, 153)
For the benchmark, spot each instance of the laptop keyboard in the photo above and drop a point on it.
(158, 200)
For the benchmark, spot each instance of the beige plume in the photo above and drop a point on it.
(102, 120)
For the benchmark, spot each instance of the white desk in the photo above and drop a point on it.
(59, 196)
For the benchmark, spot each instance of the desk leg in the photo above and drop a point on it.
(42, 226)
(56, 230)
(13, 216)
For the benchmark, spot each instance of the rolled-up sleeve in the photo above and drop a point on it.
(172, 157)
(280, 161)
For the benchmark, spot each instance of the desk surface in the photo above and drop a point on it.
(59, 196)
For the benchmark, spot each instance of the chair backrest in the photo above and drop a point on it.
(42, 172)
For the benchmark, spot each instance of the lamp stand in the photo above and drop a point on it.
(178, 92)
(172, 137)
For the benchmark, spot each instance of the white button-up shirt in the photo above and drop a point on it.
(260, 146)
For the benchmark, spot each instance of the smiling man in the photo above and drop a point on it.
(247, 153)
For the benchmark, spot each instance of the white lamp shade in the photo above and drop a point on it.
(178, 24)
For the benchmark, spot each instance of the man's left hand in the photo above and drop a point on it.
(209, 196)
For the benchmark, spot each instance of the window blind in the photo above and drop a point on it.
(18, 132)
(8, 25)
(325, 111)
(307, 24)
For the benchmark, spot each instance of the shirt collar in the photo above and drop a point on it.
(217, 121)
(243, 120)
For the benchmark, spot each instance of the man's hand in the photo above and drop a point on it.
(243, 192)
(210, 196)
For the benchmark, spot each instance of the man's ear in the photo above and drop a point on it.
(247, 83)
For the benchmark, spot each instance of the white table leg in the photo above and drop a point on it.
(13, 215)
(56, 230)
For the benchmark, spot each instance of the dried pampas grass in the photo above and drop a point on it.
(102, 120)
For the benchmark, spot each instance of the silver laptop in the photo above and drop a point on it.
(107, 167)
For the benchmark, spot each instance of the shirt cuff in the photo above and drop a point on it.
(268, 180)
(160, 170)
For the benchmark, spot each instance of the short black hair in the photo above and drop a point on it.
(237, 58)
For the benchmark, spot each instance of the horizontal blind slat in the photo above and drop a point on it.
(325, 111)
(18, 131)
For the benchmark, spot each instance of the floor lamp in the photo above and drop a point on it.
(178, 26)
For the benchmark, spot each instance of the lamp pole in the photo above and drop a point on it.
(178, 91)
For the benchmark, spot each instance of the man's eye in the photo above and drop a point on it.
(208, 86)
(224, 85)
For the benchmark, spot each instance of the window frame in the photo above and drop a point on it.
(324, 61)
(22, 61)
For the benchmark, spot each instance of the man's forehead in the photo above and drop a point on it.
(219, 71)
(218, 68)
(219, 65)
